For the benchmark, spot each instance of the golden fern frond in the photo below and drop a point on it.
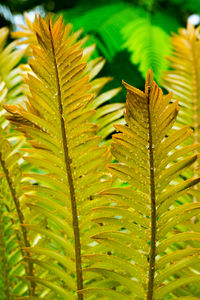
(13, 234)
(65, 148)
(106, 113)
(142, 251)
(26, 36)
(183, 79)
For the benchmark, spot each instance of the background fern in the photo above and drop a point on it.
(104, 23)
(124, 26)
(107, 25)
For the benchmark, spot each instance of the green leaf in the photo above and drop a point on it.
(163, 291)
(58, 290)
(107, 293)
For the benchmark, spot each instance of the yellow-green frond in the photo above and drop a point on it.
(9, 70)
(65, 149)
(106, 113)
(138, 223)
(183, 79)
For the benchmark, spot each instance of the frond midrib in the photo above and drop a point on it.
(70, 178)
(25, 241)
(152, 255)
(3, 259)
(196, 98)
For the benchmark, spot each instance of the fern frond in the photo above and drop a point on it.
(25, 36)
(104, 20)
(12, 218)
(139, 225)
(184, 81)
(66, 149)
(148, 44)
(106, 112)
(11, 191)
(183, 78)
(121, 25)
(4, 280)
(9, 70)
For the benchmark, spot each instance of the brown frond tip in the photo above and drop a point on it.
(42, 28)
(148, 84)
(132, 89)
(149, 81)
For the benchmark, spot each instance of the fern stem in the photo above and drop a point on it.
(70, 181)
(196, 97)
(26, 243)
(4, 260)
(153, 210)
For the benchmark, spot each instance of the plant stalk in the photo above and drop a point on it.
(153, 210)
(70, 181)
(21, 220)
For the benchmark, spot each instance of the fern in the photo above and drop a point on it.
(120, 26)
(144, 245)
(149, 45)
(184, 81)
(98, 21)
(106, 112)
(145, 259)
(13, 235)
(9, 72)
(66, 149)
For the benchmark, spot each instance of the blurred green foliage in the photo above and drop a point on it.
(120, 25)
(132, 38)
(133, 35)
